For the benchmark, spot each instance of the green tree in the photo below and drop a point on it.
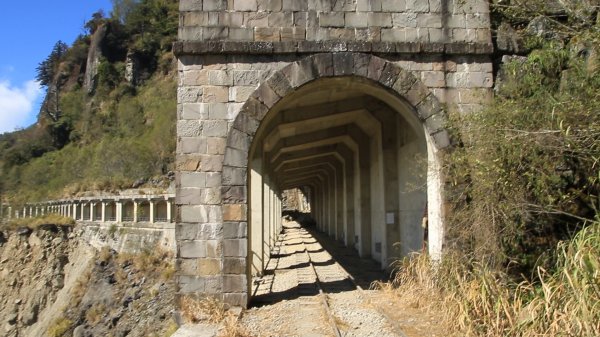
(95, 22)
(47, 68)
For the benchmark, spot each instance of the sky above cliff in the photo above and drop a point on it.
(28, 31)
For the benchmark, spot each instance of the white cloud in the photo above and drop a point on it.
(17, 104)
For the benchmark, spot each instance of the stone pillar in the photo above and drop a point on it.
(9, 213)
(151, 211)
(103, 215)
(92, 207)
(169, 215)
(119, 211)
(135, 211)
(272, 219)
(265, 218)
(255, 232)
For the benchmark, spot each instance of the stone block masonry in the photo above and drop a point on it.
(423, 21)
(248, 55)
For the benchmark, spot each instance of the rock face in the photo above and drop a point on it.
(52, 276)
(581, 9)
(508, 40)
(93, 59)
(502, 79)
(543, 27)
(32, 267)
(123, 299)
(132, 69)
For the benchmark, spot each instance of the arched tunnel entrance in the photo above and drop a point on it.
(362, 162)
(361, 144)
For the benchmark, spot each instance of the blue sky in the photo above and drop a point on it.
(28, 31)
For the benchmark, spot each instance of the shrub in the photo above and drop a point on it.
(60, 327)
(479, 301)
(526, 175)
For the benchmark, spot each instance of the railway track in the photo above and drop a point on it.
(337, 290)
(364, 296)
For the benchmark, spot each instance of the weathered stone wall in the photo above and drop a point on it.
(129, 238)
(227, 49)
(427, 21)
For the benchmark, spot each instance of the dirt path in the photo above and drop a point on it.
(306, 292)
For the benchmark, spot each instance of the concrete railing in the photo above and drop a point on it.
(102, 209)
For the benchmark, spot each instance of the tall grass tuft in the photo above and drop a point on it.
(479, 301)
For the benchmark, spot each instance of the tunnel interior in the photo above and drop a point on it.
(360, 157)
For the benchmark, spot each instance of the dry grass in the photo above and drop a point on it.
(232, 328)
(170, 329)
(155, 262)
(211, 310)
(206, 309)
(478, 301)
(60, 327)
(80, 287)
(36, 222)
(94, 314)
(105, 254)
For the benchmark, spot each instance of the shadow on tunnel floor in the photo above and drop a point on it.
(302, 289)
(364, 271)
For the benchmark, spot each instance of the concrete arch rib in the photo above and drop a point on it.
(262, 117)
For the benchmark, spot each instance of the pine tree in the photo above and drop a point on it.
(47, 68)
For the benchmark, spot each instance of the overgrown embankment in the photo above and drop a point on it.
(523, 241)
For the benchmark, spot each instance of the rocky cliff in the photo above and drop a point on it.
(52, 283)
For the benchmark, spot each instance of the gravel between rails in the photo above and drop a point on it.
(287, 300)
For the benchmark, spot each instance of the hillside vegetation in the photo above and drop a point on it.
(108, 118)
(523, 249)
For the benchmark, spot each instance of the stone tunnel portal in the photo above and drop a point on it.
(341, 98)
(365, 158)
